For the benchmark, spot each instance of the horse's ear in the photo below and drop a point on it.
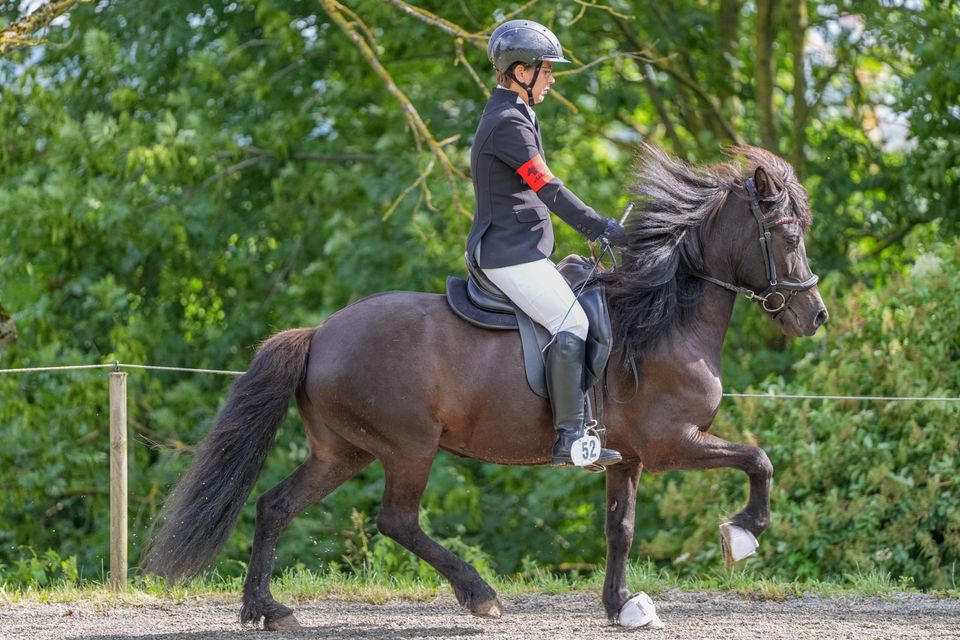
(762, 181)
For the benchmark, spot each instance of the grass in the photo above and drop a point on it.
(377, 587)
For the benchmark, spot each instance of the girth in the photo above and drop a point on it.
(481, 303)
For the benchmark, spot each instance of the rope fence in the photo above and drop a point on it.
(773, 395)
(119, 445)
(769, 395)
(117, 366)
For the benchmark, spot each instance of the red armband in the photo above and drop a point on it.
(535, 173)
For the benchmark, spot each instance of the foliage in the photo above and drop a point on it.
(178, 180)
(40, 571)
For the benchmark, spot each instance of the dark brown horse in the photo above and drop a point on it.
(397, 376)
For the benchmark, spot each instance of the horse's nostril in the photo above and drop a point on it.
(822, 317)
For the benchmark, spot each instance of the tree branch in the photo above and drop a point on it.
(466, 10)
(686, 62)
(258, 156)
(421, 132)
(593, 5)
(479, 40)
(665, 66)
(516, 12)
(636, 55)
(462, 59)
(413, 185)
(441, 23)
(821, 85)
(894, 237)
(20, 33)
(246, 45)
(647, 77)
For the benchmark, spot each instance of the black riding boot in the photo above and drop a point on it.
(565, 361)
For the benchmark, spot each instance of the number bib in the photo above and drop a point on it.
(585, 450)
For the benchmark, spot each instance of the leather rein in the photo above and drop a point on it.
(772, 299)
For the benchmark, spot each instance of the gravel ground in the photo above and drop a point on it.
(573, 616)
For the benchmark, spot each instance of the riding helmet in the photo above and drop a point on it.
(523, 41)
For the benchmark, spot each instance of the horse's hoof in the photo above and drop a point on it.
(286, 623)
(737, 543)
(488, 609)
(639, 611)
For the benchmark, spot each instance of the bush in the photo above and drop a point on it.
(31, 570)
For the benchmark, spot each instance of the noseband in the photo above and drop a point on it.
(773, 300)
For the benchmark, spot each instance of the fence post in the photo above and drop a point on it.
(118, 479)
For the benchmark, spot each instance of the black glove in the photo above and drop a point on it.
(614, 234)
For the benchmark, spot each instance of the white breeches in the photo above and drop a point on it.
(542, 293)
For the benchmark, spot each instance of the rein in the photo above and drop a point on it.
(766, 249)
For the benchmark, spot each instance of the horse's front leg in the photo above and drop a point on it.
(622, 480)
(691, 448)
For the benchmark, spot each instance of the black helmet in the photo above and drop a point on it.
(522, 41)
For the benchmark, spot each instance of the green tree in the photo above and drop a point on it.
(178, 180)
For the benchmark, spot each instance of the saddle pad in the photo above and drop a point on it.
(533, 337)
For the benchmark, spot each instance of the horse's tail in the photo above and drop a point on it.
(203, 508)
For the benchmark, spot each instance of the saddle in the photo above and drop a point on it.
(481, 303)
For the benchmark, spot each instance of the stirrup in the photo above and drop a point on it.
(605, 457)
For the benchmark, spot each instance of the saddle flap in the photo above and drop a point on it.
(533, 337)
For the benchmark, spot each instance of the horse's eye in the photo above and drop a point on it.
(792, 241)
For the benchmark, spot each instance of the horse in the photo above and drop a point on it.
(396, 377)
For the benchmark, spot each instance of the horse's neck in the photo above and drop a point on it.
(706, 330)
(699, 340)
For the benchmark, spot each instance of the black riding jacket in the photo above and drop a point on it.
(515, 190)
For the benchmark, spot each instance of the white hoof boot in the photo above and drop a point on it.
(639, 611)
(737, 543)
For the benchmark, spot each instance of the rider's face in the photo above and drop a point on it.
(544, 81)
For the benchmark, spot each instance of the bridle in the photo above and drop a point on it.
(772, 299)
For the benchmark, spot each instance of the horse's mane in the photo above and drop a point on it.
(653, 289)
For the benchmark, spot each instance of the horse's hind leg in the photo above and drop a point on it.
(399, 519)
(312, 481)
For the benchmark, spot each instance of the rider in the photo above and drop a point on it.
(511, 238)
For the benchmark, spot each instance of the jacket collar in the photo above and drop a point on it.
(501, 96)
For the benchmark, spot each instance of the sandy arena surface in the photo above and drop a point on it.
(540, 617)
